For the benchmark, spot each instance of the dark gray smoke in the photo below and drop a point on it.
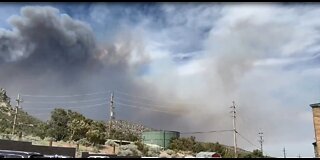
(43, 42)
(50, 53)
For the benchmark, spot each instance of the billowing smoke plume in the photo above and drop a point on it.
(244, 50)
(47, 52)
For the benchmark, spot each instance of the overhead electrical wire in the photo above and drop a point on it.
(128, 96)
(134, 106)
(63, 96)
(149, 98)
(251, 142)
(61, 102)
(137, 102)
(206, 132)
(119, 101)
(89, 106)
(247, 140)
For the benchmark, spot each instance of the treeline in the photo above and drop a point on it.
(67, 125)
(64, 125)
(190, 144)
(25, 124)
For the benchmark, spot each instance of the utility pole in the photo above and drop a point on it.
(112, 116)
(261, 142)
(234, 128)
(284, 152)
(164, 139)
(16, 113)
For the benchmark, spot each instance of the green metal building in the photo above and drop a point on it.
(161, 138)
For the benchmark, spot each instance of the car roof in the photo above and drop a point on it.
(98, 156)
(13, 155)
(19, 152)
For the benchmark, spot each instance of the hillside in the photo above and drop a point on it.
(67, 127)
(26, 124)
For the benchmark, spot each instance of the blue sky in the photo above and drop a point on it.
(263, 56)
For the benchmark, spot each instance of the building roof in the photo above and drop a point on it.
(315, 105)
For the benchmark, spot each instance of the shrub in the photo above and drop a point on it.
(84, 142)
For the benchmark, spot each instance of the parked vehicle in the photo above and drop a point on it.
(19, 154)
(56, 156)
(11, 156)
(98, 157)
(208, 155)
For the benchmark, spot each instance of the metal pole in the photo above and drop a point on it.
(16, 114)
(164, 140)
(15, 120)
(261, 142)
(234, 129)
(111, 114)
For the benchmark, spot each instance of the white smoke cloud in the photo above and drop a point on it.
(269, 97)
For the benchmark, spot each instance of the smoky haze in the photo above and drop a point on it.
(49, 53)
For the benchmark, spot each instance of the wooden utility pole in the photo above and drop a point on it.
(234, 128)
(16, 113)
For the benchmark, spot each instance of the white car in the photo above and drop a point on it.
(98, 157)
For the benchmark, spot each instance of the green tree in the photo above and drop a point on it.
(198, 147)
(185, 144)
(41, 130)
(78, 125)
(78, 129)
(58, 128)
(4, 97)
(96, 133)
(255, 154)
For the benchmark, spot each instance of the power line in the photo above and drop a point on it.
(71, 107)
(247, 140)
(67, 108)
(148, 98)
(50, 102)
(37, 114)
(103, 92)
(140, 103)
(87, 106)
(206, 132)
(134, 106)
(78, 95)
